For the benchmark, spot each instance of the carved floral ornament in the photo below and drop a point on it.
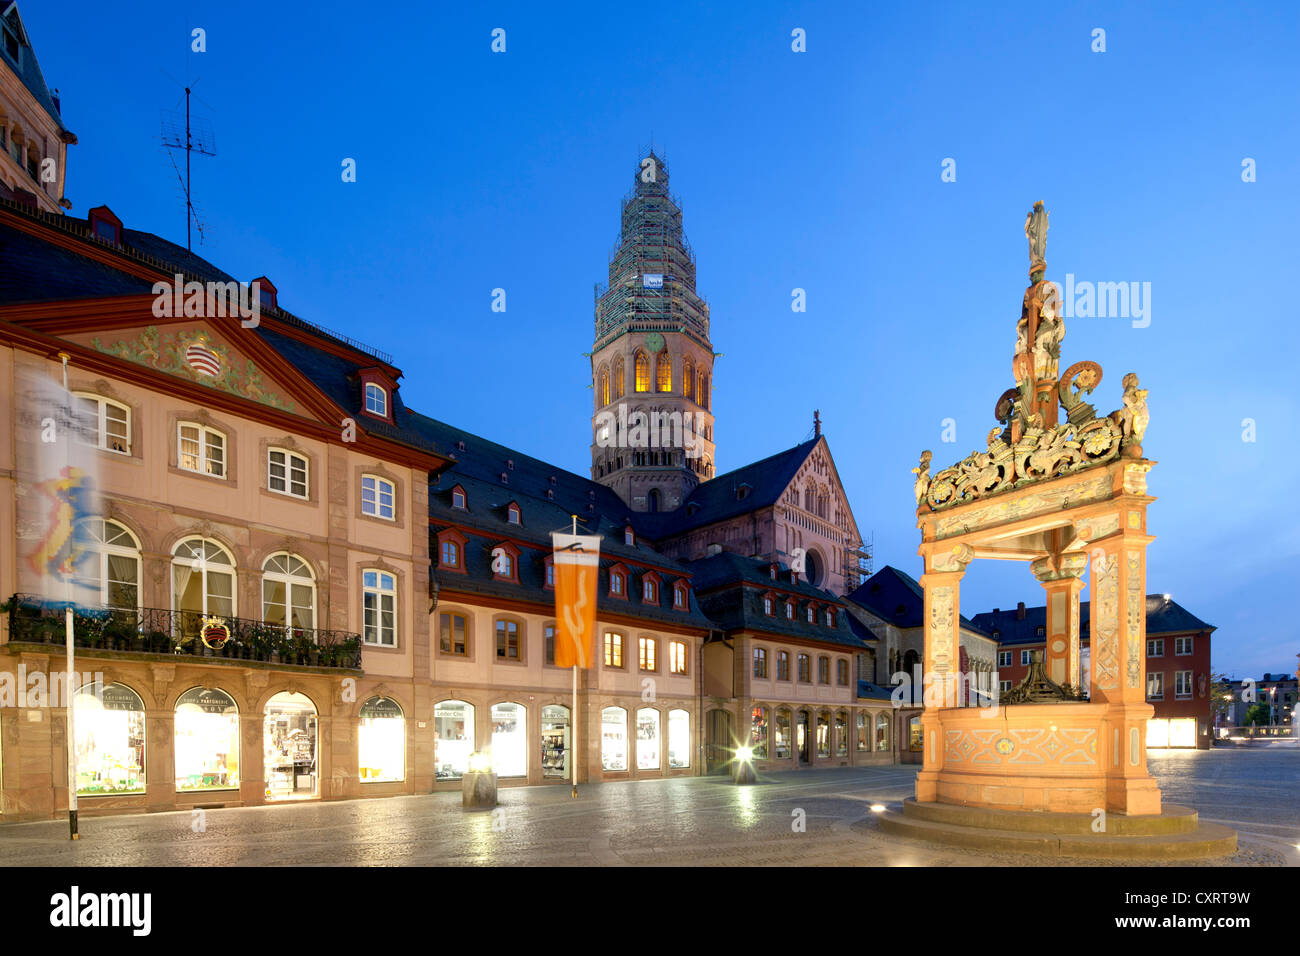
(1032, 444)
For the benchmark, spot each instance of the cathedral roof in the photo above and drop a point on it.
(724, 496)
(896, 598)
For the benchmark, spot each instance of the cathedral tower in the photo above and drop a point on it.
(652, 362)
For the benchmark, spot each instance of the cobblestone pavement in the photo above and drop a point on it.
(688, 821)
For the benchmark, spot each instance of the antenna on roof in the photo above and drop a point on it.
(195, 137)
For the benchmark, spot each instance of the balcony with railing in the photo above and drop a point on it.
(33, 620)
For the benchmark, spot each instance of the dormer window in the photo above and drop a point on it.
(679, 597)
(513, 513)
(460, 446)
(459, 499)
(549, 562)
(771, 571)
(105, 226)
(789, 610)
(769, 604)
(377, 400)
(618, 576)
(743, 490)
(267, 296)
(650, 591)
(812, 613)
(505, 562)
(629, 537)
(510, 464)
(830, 617)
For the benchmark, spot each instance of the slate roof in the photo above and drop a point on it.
(721, 584)
(897, 598)
(716, 500)
(870, 691)
(28, 70)
(1163, 617)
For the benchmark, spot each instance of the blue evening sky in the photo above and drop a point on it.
(817, 170)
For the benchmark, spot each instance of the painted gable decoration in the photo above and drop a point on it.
(188, 353)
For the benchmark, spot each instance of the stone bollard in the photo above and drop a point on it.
(742, 768)
(478, 790)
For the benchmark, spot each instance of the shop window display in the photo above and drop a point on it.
(110, 740)
(289, 747)
(823, 735)
(453, 739)
(882, 732)
(555, 741)
(758, 732)
(207, 741)
(781, 739)
(841, 735)
(509, 740)
(679, 739)
(914, 735)
(864, 730)
(381, 741)
(647, 739)
(613, 738)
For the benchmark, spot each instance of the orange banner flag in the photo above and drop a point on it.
(577, 566)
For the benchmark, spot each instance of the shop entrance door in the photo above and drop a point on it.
(804, 738)
(289, 747)
(717, 741)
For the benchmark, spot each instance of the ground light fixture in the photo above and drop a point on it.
(480, 761)
(877, 808)
(743, 766)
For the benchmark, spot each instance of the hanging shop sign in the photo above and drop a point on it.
(215, 632)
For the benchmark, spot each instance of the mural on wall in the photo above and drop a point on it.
(189, 354)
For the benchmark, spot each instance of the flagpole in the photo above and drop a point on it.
(69, 710)
(573, 718)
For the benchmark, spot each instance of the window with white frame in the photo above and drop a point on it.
(286, 472)
(376, 400)
(1155, 685)
(288, 591)
(201, 449)
(110, 563)
(1182, 683)
(1004, 686)
(649, 591)
(1182, 646)
(647, 650)
(677, 657)
(1004, 658)
(1156, 647)
(379, 606)
(112, 422)
(378, 497)
(1024, 658)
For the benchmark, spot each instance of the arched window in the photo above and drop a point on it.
(664, 371)
(914, 738)
(289, 743)
(604, 387)
(381, 741)
(207, 740)
(510, 740)
(110, 563)
(679, 739)
(653, 500)
(203, 583)
(110, 740)
(288, 591)
(841, 734)
(647, 739)
(688, 379)
(376, 400)
(781, 739)
(882, 731)
(758, 732)
(823, 734)
(642, 378)
(555, 741)
(618, 378)
(453, 739)
(703, 396)
(613, 738)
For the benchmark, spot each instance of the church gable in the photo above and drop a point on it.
(817, 490)
(193, 351)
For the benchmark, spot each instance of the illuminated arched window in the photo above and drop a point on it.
(688, 380)
(702, 392)
(664, 370)
(604, 387)
(618, 379)
(642, 372)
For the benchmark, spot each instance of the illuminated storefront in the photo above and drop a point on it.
(679, 739)
(453, 738)
(613, 738)
(110, 740)
(289, 747)
(647, 739)
(781, 745)
(555, 741)
(758, 732)
(509, 740)
(1171, 732)
(207, 741)
(381, 741)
